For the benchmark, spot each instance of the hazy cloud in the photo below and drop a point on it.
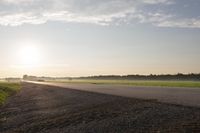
(167, 20)
(102, 12)
(158, 1)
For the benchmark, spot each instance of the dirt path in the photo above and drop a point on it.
(50, 109)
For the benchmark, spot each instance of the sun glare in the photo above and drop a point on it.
(29, 56)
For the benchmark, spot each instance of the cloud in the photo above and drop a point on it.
(158, 1)
(90, 11)
(20, 18)
(165, 20)
(102, 12)
(181, 23)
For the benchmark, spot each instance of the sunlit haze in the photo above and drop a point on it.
(29, 56)
(64, 38)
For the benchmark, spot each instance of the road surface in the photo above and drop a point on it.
(50, 109)
(180, 96)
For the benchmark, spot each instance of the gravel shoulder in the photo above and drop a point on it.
(51, 109)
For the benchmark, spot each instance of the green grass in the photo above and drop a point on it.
(160, 83)
(7, 89)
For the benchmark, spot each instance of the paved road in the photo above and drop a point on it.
(50, 109)
(180, 96)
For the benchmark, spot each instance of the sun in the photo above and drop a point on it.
(29, 56)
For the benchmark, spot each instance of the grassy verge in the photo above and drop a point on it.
(195, 84)
(7, 89)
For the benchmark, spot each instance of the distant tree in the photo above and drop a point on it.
(25, 77)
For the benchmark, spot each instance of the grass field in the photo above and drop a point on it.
(138, 82)
(7, 89)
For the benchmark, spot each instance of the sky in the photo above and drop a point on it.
(99, 37)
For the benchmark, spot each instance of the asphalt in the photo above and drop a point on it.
(50, 109)
(172, 95)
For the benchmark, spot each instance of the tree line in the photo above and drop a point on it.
(179, 76)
